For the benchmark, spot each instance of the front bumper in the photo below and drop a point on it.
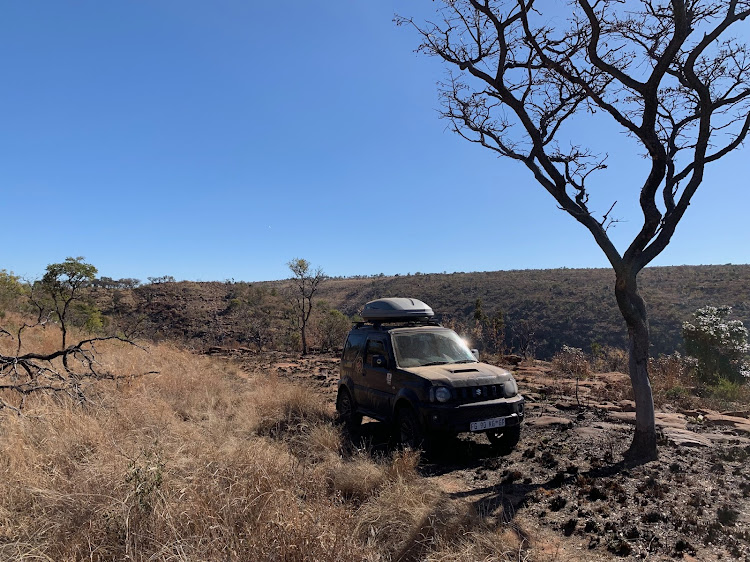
(456, 418)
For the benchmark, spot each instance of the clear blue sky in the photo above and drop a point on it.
(217, 140)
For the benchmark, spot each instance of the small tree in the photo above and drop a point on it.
(305, 282)
(489, 331)
(333, 326)
(10, 290)
(63, 284)
(718, 344)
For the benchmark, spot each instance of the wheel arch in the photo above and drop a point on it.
(406, 398)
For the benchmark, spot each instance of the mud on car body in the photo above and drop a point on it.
(401, 367)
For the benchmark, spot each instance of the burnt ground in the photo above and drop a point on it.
(566, 479)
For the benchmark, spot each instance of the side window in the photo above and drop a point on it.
(374, 347)
(353, 348)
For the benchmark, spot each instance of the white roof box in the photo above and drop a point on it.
(395, 309)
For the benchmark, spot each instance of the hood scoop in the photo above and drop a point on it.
(469, 370)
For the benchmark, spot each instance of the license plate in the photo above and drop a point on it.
(487, 424)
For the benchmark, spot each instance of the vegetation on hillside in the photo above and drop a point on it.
(541, 310)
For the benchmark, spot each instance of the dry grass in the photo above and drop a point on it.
(204, 462)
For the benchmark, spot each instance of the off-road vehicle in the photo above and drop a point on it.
(401, 367)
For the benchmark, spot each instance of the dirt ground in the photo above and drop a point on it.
(565, 480)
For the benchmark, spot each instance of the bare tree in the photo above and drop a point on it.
(306, 281)
(667, 72)
(64, 371)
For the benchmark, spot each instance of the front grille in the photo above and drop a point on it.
(469, 394)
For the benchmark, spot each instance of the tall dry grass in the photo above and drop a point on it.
(204, 462)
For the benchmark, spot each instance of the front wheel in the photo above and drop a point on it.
(347, 414)
(505, 439)
(410, 433)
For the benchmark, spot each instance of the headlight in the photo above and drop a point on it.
(442, 394)
(510, 388)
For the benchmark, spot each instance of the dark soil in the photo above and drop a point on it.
(567, 475)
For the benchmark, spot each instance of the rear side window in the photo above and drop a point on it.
(355, 343)
(374, 347)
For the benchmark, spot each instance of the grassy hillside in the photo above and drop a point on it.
(207, 462)
(561, 306)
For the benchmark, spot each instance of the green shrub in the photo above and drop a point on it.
(10, 290)
(726, 390)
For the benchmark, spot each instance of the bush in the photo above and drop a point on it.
(726, 391)
(10, 291)
(673, 378)
(332, 327)
(572, 361)
(719, 345)
(607, 359)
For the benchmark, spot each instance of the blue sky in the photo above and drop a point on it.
(218, 140)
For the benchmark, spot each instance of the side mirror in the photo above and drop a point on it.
(379, 361)
(475, 353)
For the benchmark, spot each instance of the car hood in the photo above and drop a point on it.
(463, 374)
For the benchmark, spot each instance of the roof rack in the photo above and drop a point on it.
(397, 323)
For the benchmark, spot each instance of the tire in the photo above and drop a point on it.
(347, 411)
(408, 429)
(504, 440)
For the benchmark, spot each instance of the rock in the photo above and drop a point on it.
(686, 438)
(609, 407)
(712, 418)
(570, 526)
(627, 405)
(626, 417)
(557, 503)
(565, 405)
(619, 547)
(548, 421)
(723, 438)
(671, 419)
(512, 359)
(662, 419)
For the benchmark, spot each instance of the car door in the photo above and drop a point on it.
(352, 366)
(378, 374)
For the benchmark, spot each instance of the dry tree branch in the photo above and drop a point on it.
(63, 371)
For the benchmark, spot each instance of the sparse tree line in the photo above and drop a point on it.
(70, 295)
(267, 318)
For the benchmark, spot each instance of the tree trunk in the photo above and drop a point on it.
(304, 340)
(633, 309)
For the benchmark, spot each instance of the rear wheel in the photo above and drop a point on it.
(410, 432)
(505, 439)
(347, 414)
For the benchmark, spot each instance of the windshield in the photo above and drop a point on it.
(439, 347)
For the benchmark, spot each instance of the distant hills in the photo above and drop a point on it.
(566, 306)
(560, 306)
